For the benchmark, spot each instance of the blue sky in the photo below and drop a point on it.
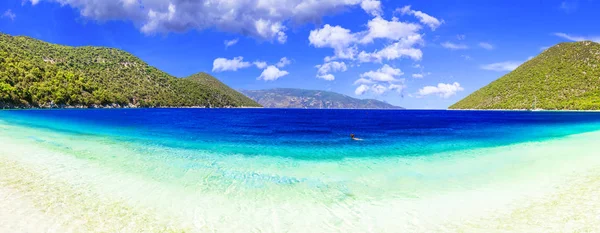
(415, 54)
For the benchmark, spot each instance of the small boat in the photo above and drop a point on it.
(533, 108)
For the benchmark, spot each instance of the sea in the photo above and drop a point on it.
(298, 170)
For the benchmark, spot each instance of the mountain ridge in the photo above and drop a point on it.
(315, 99)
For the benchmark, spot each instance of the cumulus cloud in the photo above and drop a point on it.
(380, 28)
(229, 43)
(261, 19)
(363, 81)
(487, 46)
(224, 64)
(569, 6)
(442, 89)
(452, 46)
(418, 75)
(426, 19)
(403, 48)
(260, 64)
(577, 38)
(502, 66)
(336, 37)
(372, 7)
(404, 39)
(324, 71)
(272, 73)
(380, 81)
(284, 61)
(384, 74)
(362, 89)
(378, 89)
(9, 14)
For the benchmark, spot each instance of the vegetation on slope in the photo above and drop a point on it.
(299, 98)
(565, 76)
(34, 73)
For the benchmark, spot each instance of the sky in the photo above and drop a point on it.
(423, 54)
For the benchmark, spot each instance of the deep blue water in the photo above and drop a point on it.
(313, 134)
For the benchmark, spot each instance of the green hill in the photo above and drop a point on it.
(300, 98)
(34, 73)
(565, 76)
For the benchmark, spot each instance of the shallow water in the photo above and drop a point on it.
(296, 170)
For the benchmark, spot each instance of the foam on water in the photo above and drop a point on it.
(76, 181)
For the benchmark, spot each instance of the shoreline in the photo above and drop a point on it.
(126, 107)
(52, 166)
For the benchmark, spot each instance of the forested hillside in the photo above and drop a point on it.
(565, 76)
(34, 73)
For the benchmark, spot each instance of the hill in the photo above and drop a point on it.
(299, 98)
(34, 73)
(565, 76)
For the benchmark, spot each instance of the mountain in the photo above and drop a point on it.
(565, 76)
(34, 73)
(299, 98)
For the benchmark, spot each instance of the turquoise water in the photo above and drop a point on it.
(275, 169)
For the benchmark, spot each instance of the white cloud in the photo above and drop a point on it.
(272, 73)
(384, 74)
(229, 43)
(402, 48)
(336, 37)
(361, 89)
(284, 61)
(260, 64)
(453, 46)
(466, 57)
(378, 89)
(34, 2)
(224, 64)
(261, 19)
(426, 19)
(9, 14)
(502, 66)
(487, 46)
(363, 81)
(405, 39)
(418, 75)
(396, 87)
(442, 89)
(380, 81)
(577, 38)
(461, 37)
(380, 28)
(372, 7)
(569, 6)
(324, 71)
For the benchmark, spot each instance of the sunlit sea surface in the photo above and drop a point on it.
(281, 170)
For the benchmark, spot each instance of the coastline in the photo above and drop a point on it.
(46, 172)
(524, 110)
(108, 106)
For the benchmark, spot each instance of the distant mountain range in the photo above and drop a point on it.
(300, 98)
(565, 76)
(37, 74)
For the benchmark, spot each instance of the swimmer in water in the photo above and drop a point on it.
(355, 138)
